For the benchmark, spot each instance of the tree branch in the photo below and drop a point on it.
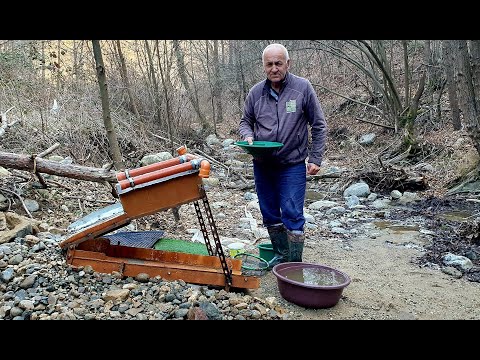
(374, 123)
(21, 200)
(346, 97)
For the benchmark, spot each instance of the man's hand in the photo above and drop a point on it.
(249, 139)
(312, 169)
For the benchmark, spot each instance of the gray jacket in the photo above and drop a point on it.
(286, 121)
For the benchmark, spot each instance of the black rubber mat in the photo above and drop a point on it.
(140, 239)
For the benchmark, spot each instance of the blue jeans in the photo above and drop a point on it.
(281, 194)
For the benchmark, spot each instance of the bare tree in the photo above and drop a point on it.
(209, 79)
(448, 65)
(58, 64)
(166, 91)
(375, 66)
(240, 76)
(475, 60)
(124, 74)
(43, 60)
(217, 87)
(156, 91)
(466, 91)
(430, 74)
(410, 138)
(189, 92)
(78, 62)
(107, 120)
(407, 73)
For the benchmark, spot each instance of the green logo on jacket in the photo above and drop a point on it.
(291, 106)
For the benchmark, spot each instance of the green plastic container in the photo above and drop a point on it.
(259, 148)
(266, 251)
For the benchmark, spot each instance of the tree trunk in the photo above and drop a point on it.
(240, 76)
(391, 88)
(156, 96)
(74, 65)
(410, 138)
(407, 73)
(44, 61)
(79, 73)
(107, 120)
(466, 92)
(59, 56)
(212, 92)
(166, 92)
(124, 73)
(183, 76)
(40, 165)
(376, 66)
(427, 58)
(448, 65)
(217, 86)
(142, 64)
(475, 60)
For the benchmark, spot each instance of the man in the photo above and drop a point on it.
(281, 108)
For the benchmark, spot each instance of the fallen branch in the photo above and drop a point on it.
(89, 200)
(59, 184)
(241, 187)
(175, 143)
(473, 200)
(392, 178)
(399, 157)
(208, 157)
(240, 176)
(49, 150)
(25, 162)
(324, 176)
(374, 123)
(458, 185)
(348, 98)
(22, 176)
(160, 137)
(41, 155)
(21, 200)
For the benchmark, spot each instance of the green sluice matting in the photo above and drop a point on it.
(182, 246)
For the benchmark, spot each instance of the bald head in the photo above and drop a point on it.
(275, 64)
(276, 48)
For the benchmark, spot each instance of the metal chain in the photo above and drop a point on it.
(216, 238)
(203, 228)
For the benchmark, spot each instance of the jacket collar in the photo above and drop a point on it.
(268, 83)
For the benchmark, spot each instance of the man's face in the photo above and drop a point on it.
(275, 65)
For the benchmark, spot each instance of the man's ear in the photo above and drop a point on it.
(288, 64)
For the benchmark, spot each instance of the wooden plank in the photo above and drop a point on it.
(147, 256)
(195, 274)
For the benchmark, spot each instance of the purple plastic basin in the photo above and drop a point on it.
(310, 285)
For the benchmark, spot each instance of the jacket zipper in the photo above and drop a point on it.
(278, 120)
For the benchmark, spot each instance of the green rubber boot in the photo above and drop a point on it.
(278, 237)
(295, 244)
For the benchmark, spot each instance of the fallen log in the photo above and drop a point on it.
(392, 179)
(38, 164)
(411, 183)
